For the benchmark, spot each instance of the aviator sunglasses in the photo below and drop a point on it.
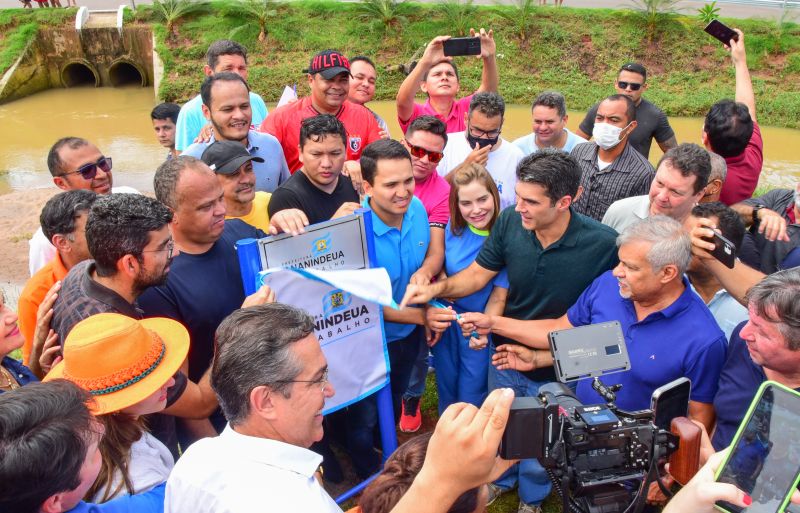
(416, 151)
(89, 171)
(625, 85)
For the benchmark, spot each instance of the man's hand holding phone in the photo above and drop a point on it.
(736, 47)
(702, 232)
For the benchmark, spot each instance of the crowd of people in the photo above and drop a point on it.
(166, 388)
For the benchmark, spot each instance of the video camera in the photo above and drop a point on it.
(600, 458)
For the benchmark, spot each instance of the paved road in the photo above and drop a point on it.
(731, 10)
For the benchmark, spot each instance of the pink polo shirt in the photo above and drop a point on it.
(434, 193)
(454, 120)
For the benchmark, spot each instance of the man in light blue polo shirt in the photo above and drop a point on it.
(227, 107)
(222, 56)
(549, 113)
(402, 235)
(668, 329)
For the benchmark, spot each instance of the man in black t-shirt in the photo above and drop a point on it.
(319, 188)
(651, 121)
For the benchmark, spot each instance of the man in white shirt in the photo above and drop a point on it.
(549, 116)
(679, 184)
(75, 163)
(271, 379)
(481, 143)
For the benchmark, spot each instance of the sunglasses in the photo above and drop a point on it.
(433, 156)
(632, 85)
(89, 171)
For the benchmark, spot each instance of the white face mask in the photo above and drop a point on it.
(607, 136)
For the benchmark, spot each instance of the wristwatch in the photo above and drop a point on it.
(754, 215)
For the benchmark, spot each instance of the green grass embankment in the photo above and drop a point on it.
(19, 26)
(575, 51)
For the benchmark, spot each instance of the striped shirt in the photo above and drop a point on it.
(629, 175)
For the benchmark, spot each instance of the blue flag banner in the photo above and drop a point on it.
(346, 306)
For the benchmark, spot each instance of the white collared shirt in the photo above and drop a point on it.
(627, 211)
(235, 473)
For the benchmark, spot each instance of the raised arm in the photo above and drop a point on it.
(744, 86)
(490, 77)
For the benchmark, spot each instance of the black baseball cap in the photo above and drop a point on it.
(226, 157)
(328, 63)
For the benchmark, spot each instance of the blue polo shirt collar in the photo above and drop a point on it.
(381, 228)
(250, 146)
(679, 305)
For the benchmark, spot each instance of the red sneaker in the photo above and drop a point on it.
(410, 416)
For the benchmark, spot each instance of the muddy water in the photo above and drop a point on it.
(118, 121)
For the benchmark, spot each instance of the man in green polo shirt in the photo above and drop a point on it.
(551, 254)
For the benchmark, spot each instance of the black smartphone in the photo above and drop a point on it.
(724, 250)
(462, 46)
(722, 32)
(764, 460)
(670, 401)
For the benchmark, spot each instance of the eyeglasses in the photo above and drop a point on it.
(416, 151)
(491, 134)
(89, 171)
(168, 248)
(632, 85)
(322, 382)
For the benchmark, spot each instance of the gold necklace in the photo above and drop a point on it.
(10, 383)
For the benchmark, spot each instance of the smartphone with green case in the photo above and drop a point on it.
(764, 460)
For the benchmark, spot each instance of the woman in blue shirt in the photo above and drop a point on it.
(462, 364)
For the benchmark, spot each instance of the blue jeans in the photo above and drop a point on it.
(461, 372)
(402, 356)
(416, 383)
(360, 421)
(534, 485)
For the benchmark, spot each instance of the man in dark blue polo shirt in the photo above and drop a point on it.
(767, 346)
(551, 254)
(668, 329)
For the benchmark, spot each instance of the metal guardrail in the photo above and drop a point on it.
(784, 4)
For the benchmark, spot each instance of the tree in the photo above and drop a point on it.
(387, 13)
(170, 11)
(520, 15)
(654, 11)
(259, 10)
(459, 13)
(708, 12)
